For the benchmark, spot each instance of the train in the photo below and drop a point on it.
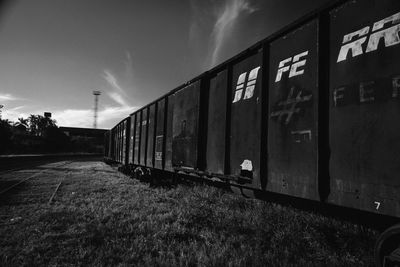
(309, 112)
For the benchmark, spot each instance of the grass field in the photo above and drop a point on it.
(101, 217)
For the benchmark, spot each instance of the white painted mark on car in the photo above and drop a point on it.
(250, 85)
(301, 136)
(352, 42)
(294, 69)
(247, 165)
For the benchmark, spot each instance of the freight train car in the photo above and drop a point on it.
(117, 145)
(309, 112)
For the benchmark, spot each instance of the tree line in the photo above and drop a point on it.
(35, 134)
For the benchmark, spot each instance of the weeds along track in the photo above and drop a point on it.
(33, 186)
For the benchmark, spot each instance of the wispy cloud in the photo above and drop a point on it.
(117, 93)
(128, 68)
(225, 23)
(112, 80)
(8, 97)
(221, 18)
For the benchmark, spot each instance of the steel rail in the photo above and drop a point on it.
(30, 177)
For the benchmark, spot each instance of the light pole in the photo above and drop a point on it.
(96, 100)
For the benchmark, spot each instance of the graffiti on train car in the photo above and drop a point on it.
(294, 69)
(387, 29)
(250, 85)
(295, 103)
(367, 92)
(159, 143)
(301, 136)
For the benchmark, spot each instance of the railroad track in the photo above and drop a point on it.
(33, 186)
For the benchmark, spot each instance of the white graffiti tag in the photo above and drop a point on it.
(250, 86)
(294, 67)
(289, 106)
(301, 136)
(353, 42)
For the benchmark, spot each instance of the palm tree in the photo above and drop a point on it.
(23, 121)
(38, 124)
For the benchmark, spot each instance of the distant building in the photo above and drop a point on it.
(86, 139)
(74, 132)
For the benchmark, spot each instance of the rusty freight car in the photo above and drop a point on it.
(309, 112)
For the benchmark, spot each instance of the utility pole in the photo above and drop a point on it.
(96, 101)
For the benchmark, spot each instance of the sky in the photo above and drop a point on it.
(55, 53)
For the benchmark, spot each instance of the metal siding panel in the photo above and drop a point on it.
(364, 107)
(143, 137)
(112, 154)
(127, 139)
(124, 124)
(118, 143)
(110, 145)
(137, 137)
(131, 138)
(245, 142)
(106, 143)
(150, 138)
(113, 144)
(159, 144)
(168, 141)
(185, 126)
(293, 111)
(106, 137)
(216, 123)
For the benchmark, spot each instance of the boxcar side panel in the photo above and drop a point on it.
(245, 142)
(131, 138)
(168, 141)
(113, 144)
(124, 132)
(293, 110)
(364, 106)
(159, 143)
(111, 153)
(185, 126)
(215, 157)
(127, 139)
(106, 144)
(138, 116)
(143, 137)
(150, 136)
(118, 140)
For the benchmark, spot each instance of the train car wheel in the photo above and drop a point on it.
(387, 247)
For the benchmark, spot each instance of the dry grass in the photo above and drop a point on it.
(101, 217)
